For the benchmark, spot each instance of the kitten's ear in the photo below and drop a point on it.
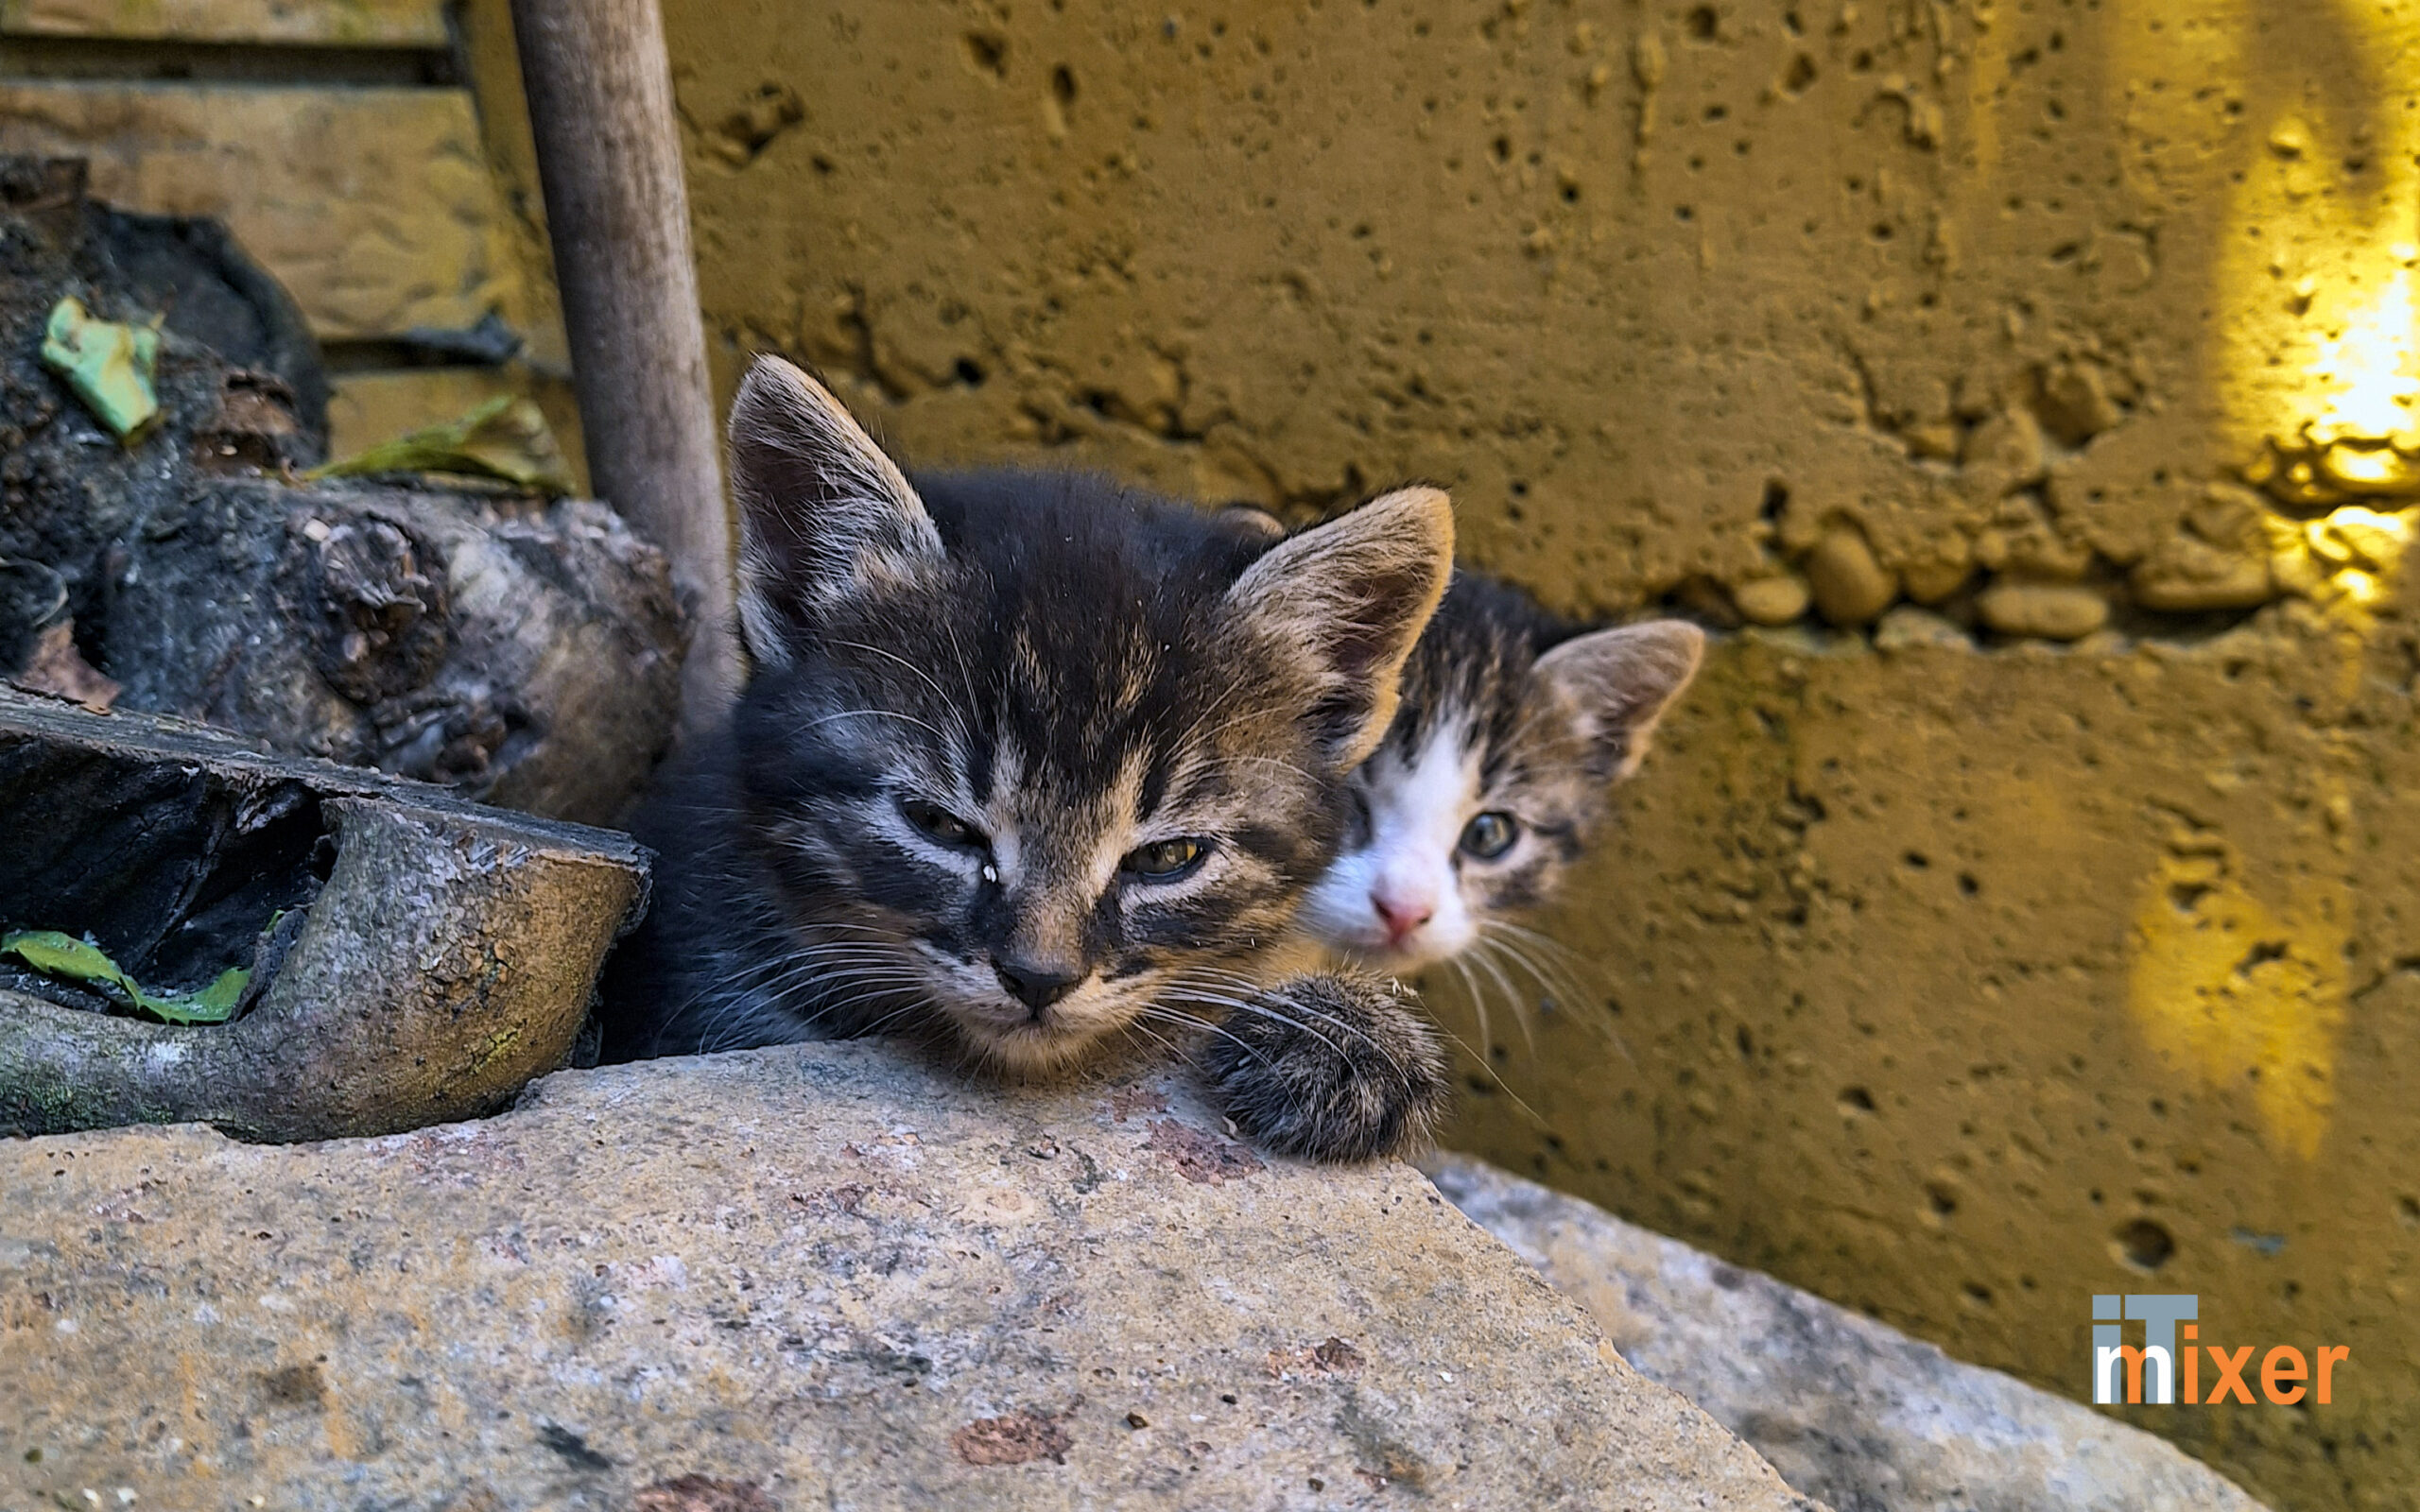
(1349, 598)
(1615, 684)
(1249, 521)
(822, 510)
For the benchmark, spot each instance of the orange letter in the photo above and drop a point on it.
(2329, 1355)
(2136, 1359)
(2229, 1363)
(2284, 1362)
(2192, 1392)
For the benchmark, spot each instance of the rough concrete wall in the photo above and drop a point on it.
(1960, 976)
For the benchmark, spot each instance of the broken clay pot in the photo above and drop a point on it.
(430, 956)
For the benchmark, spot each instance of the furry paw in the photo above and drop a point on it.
(1333, 1067)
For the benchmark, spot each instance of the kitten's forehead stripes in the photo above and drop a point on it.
(1471, 665)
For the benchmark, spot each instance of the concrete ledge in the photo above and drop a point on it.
(1848, 1409)
(822, 1272)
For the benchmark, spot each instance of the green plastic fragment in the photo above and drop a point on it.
(108, 364)
(506, 438)
(53, 954)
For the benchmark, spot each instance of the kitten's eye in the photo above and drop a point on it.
(939, 824)
(1489, 834)
(1164, 859)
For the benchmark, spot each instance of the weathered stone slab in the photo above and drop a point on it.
(1848, 1409)
(822, 1272)
(324, 23)
(416, 958)
(374, 207)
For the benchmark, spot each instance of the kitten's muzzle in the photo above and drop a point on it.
(1036, 983)
(1403, 914)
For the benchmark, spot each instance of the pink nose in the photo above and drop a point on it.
(1402, 917)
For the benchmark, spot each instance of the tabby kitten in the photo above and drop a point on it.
(1031, 764)
(1513, 724)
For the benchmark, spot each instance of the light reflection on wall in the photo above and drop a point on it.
(2300, 126)
(2297, 118)
(2318, 369)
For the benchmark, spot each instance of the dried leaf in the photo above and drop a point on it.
(506, 438)
(57, 667)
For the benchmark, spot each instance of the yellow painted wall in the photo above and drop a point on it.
(2024, 904)
(2054, 938)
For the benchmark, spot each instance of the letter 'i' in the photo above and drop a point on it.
(2192, 1365)
(2106, 1336)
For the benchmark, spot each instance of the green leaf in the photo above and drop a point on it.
(53, 954)
(109, 364)
(506, 438)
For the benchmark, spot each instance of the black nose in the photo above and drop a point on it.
(1035, 985)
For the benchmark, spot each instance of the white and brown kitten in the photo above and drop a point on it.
(1514, 726)
(1029, 765)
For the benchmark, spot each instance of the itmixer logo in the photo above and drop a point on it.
(2173, 1366)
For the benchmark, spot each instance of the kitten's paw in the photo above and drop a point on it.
(1332, 1067)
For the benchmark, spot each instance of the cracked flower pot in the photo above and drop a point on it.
(413, 958)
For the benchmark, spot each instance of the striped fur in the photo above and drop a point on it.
(986, 711)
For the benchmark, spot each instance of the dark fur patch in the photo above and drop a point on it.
(1333, 1067)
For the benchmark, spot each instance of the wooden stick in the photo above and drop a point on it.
(608, 158)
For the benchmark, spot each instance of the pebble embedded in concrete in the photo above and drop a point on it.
(2208, 579)
(1931, 579)
(1907, 626)
(1849, 586)
(2049, 611)
(1771, 600)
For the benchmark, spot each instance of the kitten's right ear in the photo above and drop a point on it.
(1348, 598)
(1613, 686)
(822, 511)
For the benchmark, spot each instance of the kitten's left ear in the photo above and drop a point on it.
(1615, 684)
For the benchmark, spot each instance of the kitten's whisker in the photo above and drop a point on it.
(1259, 1005)
(1483, 951)
(1501, 1084)
(1170, 1016)
(872, 714)
(1537, 936)
(893, 656)
(1477, 999)
(1245, 1005)
(1570, 989)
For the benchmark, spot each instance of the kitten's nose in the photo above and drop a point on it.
(1402, 917)
(1036, 983)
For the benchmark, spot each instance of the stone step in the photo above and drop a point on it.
(1848, 1409)
(801, 1277)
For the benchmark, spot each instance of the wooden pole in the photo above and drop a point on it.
(608, 158)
